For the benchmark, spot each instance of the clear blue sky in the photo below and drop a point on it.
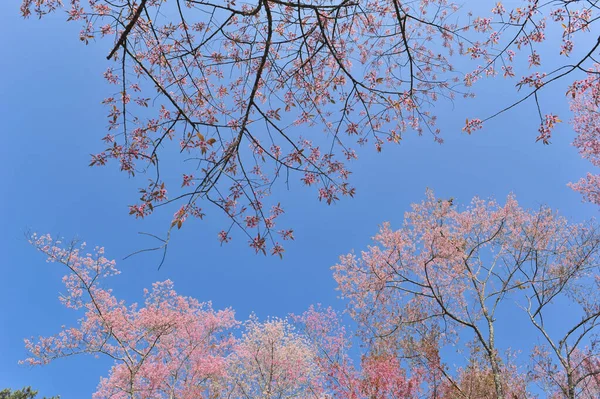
(52, 119)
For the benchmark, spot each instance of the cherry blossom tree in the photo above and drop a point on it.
(585, 102)
(240, 89)
(273, 361)
(172, 347)
(380, 374)
(435, 284)
(176, 347)
(447, 275)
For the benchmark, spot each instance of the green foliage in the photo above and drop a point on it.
(25, 393)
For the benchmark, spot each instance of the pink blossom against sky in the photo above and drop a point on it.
(52, 119)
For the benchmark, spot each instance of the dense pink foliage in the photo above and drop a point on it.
(243, 88)
(585, 105)
(176, 347)
(172, 346)
(256, 91)
(379, 374)
(433, 286)
(445, 273)
(272, 360)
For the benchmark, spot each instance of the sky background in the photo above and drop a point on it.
(52, 120)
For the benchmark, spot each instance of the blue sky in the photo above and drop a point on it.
(52, 118)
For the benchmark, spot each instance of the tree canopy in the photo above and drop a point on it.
(233, 96)
(25, 393)
(219, 103)
(437, 288)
